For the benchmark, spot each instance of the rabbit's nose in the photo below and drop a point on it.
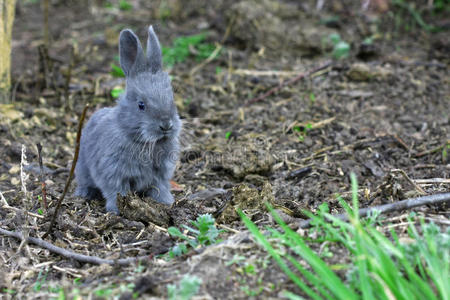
(166, 126)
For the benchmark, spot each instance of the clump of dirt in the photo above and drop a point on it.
(364, 72)
(144, 210)
(249, 154)
(250, 200)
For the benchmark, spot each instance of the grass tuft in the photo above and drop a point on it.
(380, 268)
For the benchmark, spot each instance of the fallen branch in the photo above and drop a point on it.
(70, 254)
(72, 169)
(288, 82)
(382, 209)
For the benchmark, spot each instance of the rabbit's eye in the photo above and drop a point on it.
(141, 105)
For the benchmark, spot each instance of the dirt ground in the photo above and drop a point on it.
(382, 113)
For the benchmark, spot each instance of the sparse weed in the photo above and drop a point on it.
(341, 49)
(405, 6)
(122, 5)
(302, 131)
(125, 5)
(187, 288)
(204, 233)
(183, 46)
(40, 281)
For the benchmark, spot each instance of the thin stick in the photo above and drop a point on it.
(5, 206)
(72, 169)
(418, 188)
(382, 209)
(46, 5)
(438, 148)
(69, 76)
(432, 180)
(288, 82)
(70, 254)
(41, 176)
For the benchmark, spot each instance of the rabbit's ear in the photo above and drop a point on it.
(130, 50)
(154, 54)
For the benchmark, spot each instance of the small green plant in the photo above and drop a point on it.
(251, 292)
(441, 6)
(164, 10)
(8, 291)
(104, 292)
(416, 15)
(116, 92)
(40, 281)
(237, 259)
(228, 135)
(302, 131)
(312, 98)
(205, 233)
(341, 49)
(380, 268)
(125, 5)
(187, 288)
(445, 152)
(181, 49)
(40, 211)
(116, 71)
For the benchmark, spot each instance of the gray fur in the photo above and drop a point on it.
(124, 148)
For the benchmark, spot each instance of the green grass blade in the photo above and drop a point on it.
(314, 280)
(265, 243)
(333, 282)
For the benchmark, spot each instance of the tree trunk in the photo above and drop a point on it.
(6, 23)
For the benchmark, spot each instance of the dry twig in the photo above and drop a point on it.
(41, 176)
(288, 82)
(70, 254)
(382, 209)
(72, 169)
(418, 188)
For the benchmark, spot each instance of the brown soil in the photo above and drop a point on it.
(381, 113)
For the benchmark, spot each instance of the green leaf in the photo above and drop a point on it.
(173, 231)
(341, 50)
(116, 71)
(188, 287)
(335, 38)
(265, 243)
(125, 5)
(116, 92)
(368, 41)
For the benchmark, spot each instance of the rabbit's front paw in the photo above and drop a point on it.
(161, 195)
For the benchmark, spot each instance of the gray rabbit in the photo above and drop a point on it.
(132, 146)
